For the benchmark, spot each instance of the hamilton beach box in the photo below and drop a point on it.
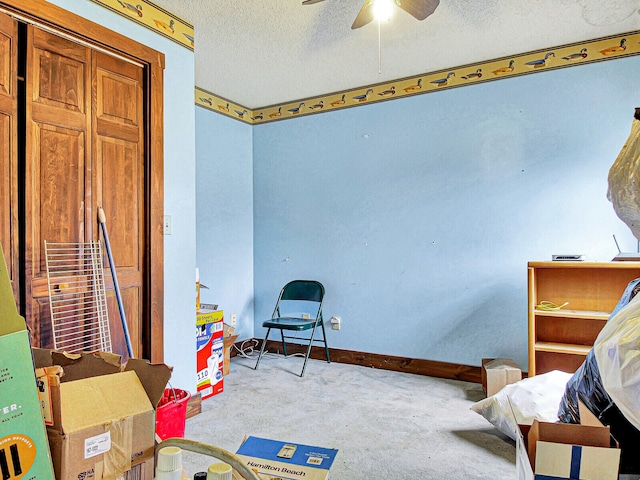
(100, 414)
(23, 440)
(275, 460)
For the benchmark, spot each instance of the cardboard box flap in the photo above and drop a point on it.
(41, 357)
(11, 321)
(100, 400)
(587, 417)
(154, 377)
(567, 433)
(500, 364)
(78, 366)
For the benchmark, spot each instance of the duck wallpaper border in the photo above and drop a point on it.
(154, 18)
(570, 55)
(563, 56)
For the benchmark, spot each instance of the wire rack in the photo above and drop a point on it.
(77, 297)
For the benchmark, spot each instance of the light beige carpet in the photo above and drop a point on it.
(386, 425)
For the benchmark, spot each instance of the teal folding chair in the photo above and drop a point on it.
(299, 308)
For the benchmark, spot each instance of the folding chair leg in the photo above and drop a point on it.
(264, 343)
(284, 345)
(326, 347)
(306, 357)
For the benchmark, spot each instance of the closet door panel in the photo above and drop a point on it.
(120, 189)
(58, 181)
(8, 147)
(57, 172)
(119, 169)
(59, 73)
(8, 35)
(57, 186)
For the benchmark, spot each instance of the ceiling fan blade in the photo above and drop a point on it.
(311, 2)
(364, 16)
(420, 9)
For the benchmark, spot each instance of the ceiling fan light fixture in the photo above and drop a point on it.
(383, 10)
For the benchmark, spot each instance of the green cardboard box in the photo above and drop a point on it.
(24, 448)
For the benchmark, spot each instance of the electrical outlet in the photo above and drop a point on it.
(335, 322)
(233, 319)
(167, 224)
(306, 316)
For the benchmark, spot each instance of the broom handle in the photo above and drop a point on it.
(102, 220)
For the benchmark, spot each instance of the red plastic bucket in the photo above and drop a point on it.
(171, 414)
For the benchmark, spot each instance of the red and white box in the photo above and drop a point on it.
(209, 352)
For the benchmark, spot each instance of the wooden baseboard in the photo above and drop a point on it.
(430, 368)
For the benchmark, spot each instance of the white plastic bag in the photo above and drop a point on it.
(624, 180)
(617, 351)
(534, 398)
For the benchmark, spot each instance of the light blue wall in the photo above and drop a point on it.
(179, 187)
(224, 186)
(419, 215)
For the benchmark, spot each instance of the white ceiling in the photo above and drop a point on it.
(259, 53)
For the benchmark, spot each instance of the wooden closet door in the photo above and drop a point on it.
(118, 185)
(81, 126)
(8, 146)
(57, 188)
(85, 121)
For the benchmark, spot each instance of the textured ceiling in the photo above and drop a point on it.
(265, 52)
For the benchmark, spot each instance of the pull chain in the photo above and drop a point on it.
(379, 49)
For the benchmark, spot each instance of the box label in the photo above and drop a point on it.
(97, 445)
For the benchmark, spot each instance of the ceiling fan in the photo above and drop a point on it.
(420, 9)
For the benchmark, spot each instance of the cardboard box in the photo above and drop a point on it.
(209, 352)
(23, 438)
(102, 413)
(275, 460)
(228, 343)
(497, 373)
(228, 330)
(567, 451)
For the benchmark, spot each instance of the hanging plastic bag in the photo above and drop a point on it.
(586, 383)
(617, 351)
(624, 180)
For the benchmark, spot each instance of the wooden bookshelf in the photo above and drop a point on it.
(561, 339)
